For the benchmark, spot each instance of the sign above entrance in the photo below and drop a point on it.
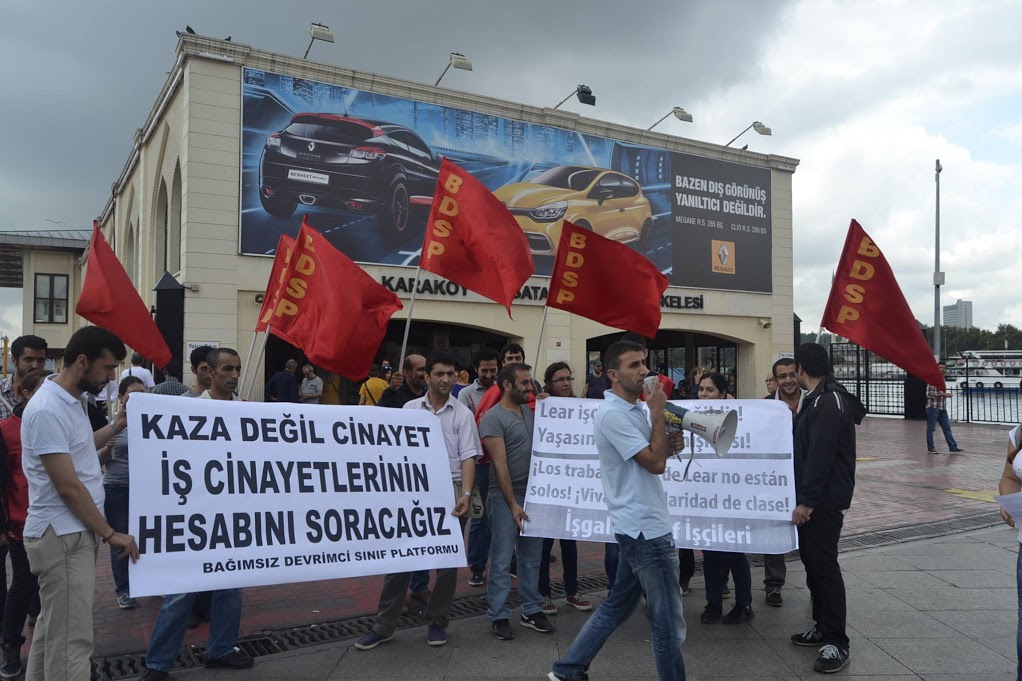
(431, 287)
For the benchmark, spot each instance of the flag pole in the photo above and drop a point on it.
(408, 320)
(248, 357)
(542, 327)
(262, 349)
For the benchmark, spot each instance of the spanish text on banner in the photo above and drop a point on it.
(232, 494)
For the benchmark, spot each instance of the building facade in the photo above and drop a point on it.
(959, 314)
(239, 142)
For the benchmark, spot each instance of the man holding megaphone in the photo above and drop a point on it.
(633, 456)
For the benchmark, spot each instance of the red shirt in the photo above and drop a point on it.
(16, 487)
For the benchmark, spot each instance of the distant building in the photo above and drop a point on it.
(959, 314)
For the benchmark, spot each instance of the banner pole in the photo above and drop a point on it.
(248, 358)
(539, 342)
(408, 320)
(819, 334)
(262, 349)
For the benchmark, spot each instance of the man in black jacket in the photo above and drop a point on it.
(824, 480)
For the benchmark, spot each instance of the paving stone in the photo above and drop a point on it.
(960, 655)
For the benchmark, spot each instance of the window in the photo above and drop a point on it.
(51, 298)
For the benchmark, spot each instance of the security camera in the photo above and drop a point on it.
(260, 297)
(765, 323)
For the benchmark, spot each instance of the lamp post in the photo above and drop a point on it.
(938, 276)
(458, 61)
(678, 112)
(318, 32)
(5, 340)
(584, 93)
(755, 125)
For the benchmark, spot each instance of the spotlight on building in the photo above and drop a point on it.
(318, 32)
(458, 61)
(678, 112)
(584, 93)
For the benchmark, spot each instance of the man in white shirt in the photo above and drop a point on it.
(462, 440)
(65, 491)
(138, 371)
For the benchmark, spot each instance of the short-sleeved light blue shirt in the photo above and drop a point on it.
(635, 497)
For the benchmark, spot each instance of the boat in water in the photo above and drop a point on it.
(986, 369)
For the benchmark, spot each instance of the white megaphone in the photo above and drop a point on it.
(718, 427)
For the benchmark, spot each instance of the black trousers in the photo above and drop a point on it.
(817, 541)
(23, 596)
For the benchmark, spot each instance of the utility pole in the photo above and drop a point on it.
(938, 276)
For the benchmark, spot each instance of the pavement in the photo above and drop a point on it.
(898, 485)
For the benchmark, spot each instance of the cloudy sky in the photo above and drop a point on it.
(866, 94)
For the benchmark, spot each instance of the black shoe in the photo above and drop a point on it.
(711, 614)
(725, 592)
(956, 450)
(236, 659)
(738, 614)
(537, 621)
(832, 659)
(502, 629)
(476, 579)
(154, 675)
(774, 598)
(12, 661)
(514, 570)
(811, 638)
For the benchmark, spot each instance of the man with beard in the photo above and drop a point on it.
(506, 430)
(486, 365)
(225, 619)
(29, 352)
(824, 481)
(412, 386)
(462, 440)
(66, 496)
(786, 389)
(633, 449)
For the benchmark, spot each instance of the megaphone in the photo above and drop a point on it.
(717, 428)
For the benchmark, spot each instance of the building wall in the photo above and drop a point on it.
(51, 262)
(959, 314)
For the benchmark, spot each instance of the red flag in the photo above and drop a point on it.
(866, 306)
(606, 281)
(472, 239)
(276, 283)
(109, 299)
(331, 308)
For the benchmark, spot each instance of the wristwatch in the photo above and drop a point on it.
(466, 494)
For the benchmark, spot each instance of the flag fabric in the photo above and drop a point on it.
(276, 284)
(606, 281)
(109, 299)
(473, 240)
(330, 307)
(866, 306)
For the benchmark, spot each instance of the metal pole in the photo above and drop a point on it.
(408, 321)
(539, 343)
(442, 75)
(575, 91)
(660, 121)
(938, 276)
(306, 55)
(739, 134)
(262, 349)
(248, 358)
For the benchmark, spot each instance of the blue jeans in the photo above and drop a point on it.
(116, 511)
(169, 632)
(1018, 633)
(645, 565)
(933, 417)
(503, 537)
(479, 532)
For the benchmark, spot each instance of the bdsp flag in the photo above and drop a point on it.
(109, 299)
(866, 306)
(275, 287)
(606, 281)
(331, 308)
(472, 239)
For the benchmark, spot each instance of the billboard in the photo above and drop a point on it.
(363, 166)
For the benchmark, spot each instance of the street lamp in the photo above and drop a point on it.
(938, 276)
(584, 93)
(678, 112)
(318, 32)
(458, 61)
(757, 126)
(4, 339)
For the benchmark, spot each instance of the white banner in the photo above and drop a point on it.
(740, 502)
(232, 494)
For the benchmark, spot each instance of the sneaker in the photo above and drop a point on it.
(738, 614)
(931, 451)
(711, 614)
(436, 635)
(30, 621)
(548, 607)
(554, 677)
(956, 450)
(502, 629)
(685, 591)
(579, 603)
(725, 592)
(371, 640)
(538, 622)
(476, 579)
(514, 570)
(236, 659)
(832, 659)
(12, 661)
(126, 602)
(154, 675)
(810, 638)
(774, 598)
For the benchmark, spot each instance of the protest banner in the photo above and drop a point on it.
(739, 502)
(232, 494)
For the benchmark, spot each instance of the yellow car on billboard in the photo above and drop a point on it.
(607, 202)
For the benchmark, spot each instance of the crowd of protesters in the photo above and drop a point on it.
(64, 476)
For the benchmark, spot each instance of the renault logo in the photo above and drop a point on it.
(722, 257)
(312, 146)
